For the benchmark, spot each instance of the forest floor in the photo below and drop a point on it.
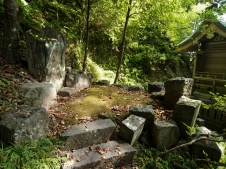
(82, 107)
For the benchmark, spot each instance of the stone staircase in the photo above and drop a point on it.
(88, 147)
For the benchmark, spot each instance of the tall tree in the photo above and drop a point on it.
(122, 45)
(87, 36)
(12, 17)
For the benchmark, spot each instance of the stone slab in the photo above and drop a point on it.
(185, 113)
(114, 155)
(86, 134)
(131, 128)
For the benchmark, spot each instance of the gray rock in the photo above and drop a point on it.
(23, 123)
(103, 82)
(200, 122)
(158, 95)
(135, 88)
(46, 55)
(146, 112)
(114, 155)
(77, 79)
(155, 87)
(83, 135)
(186, 111)
(175, 88)
(39, 94)
(210, 148)
(66, 91)
(124, 86)
(131, 128)
(165, 134)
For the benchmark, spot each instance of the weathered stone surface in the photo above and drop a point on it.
(155, 87)
(165, 134)
(186, 111)
(135, 88)
(46, 55)
(116, 155)
(124, 86)
(175, 88)
(131, 128)
(23, 123)
(77, 79)
(83, 135)
(39, 94)
(210, 148)
(146, 112)
(158, 95)
(103, 82)
(66, 91)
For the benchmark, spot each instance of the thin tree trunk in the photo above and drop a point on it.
(122, 45)
(87, 37)
(12, 19)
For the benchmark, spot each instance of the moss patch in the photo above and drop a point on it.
(100, 99)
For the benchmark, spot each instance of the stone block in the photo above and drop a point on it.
(209, 147)
(103, 82)
(131, 128)
(146, 112)
(23, 123)
(66, 91)
(86, 134)
(155, 87)
(175, 88)
(165, 134)
(200, 122)
(185, 113)
(46, 55)
(39, 94)
(111, 155)
(158, 95)
(77, 79)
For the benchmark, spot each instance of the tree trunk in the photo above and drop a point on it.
(122, 45)
(87, 37)
(12, 19)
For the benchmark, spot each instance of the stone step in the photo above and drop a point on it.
(101, 156)
(86, 134)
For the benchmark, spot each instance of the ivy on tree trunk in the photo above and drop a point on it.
(122, 46)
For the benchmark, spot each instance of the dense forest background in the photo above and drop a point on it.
(136, 38)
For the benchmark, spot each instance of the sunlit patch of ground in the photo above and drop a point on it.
(106, 99)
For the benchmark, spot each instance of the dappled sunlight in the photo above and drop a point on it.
(100, 99)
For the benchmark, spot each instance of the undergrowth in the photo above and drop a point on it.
(40, 154)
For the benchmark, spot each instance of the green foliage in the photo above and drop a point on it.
(178, 159)
(30, 155)
(219, 102)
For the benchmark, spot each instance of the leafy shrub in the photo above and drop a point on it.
(30, 155)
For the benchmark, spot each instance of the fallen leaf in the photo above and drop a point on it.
(68, 163)
(101, 152)
(90, 148)
(86, 126)
(78, 159)
(69, 155)
(103, 157)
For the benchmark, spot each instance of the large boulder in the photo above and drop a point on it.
(165, 134)
(46, 55)
(39, 94)
(23, 123)
(77, 79)
(175, 88)
(185, 114)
